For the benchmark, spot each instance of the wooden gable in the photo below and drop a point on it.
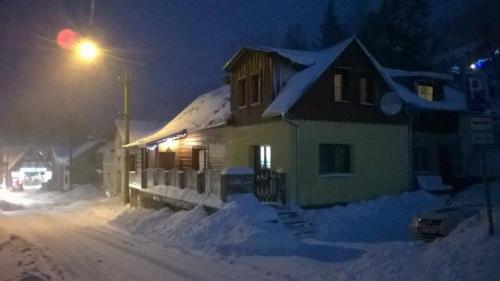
(318, 103)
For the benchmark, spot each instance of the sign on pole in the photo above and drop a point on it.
(482, 135)
(481, 129)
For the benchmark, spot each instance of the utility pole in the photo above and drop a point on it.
(125, 176)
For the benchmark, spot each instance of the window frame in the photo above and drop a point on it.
(345, 85)
(347, 161)
(132, 159)
(370, 90)
(240, 94)
(257, 74)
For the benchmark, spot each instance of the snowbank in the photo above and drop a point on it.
(383, 219)
(468, 253)
(240, 227)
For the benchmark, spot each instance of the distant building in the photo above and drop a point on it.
(26, 165)
(112, 152)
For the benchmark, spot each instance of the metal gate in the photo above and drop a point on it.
(270, 186)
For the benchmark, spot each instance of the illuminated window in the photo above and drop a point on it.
(426, 92)
(263, 157)
(242, 91)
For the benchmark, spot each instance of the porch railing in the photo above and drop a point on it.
(207, 181)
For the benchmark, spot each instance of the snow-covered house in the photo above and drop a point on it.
(316, 117)
(28, 165)
(193, 140)
(113, 153)
(311, 120)
(86, 164)
(437, 113)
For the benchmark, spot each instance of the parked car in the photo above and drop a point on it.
(439, 223)
(465, 204)
(17, 185)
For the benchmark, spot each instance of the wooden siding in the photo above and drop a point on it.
(209, 139)
(251, 63)
(318, 102)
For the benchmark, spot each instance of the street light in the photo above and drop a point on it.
(87, 50)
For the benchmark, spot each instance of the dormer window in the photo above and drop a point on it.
(341, 93)
(426, 91)
(242, 92)
(255, 88)
(366, 91)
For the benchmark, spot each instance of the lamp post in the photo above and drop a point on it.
(125, 175)
(87, 51)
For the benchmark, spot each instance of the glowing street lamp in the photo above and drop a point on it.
(87, 50)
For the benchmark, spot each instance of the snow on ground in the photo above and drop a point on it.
(382, 219)
(367, 240)
(35, 199)
(240, 227)
(21, 260)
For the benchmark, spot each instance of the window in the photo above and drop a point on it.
(131, 163)
(262, 157)
(420, 159)
(334, 159)
(242, 90)
(255, 89)
(200, 159)
(366, 93)
(426, 91)
(341, 89)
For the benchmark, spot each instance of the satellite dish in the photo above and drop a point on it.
(391, 104)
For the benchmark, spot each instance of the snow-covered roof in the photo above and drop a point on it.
(392, 72)
(14, 153)
(85, 147)
(301, 81)
(60, 153)
(137, 128)
(208, 110)
(108, 146)
(453, 100)
(296, 56)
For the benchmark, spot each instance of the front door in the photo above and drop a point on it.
(264, 190)
(166, 160)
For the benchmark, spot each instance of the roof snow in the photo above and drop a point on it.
(318, 63)
(300, 82)
(453, 100)
(295, 56)
(208, 110)
(392, 72)
(137, 129)
(85, 147)
(61, 153)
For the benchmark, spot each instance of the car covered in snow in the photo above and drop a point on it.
(465, 204)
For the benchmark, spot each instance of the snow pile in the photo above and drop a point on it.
(382, 219)
(468, 253)
(240, 227)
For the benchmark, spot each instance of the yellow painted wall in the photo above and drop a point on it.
(379, 161)
(379, 158)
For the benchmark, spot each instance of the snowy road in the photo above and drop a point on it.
(78, 241)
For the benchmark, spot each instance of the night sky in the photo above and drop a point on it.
(174, 50)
